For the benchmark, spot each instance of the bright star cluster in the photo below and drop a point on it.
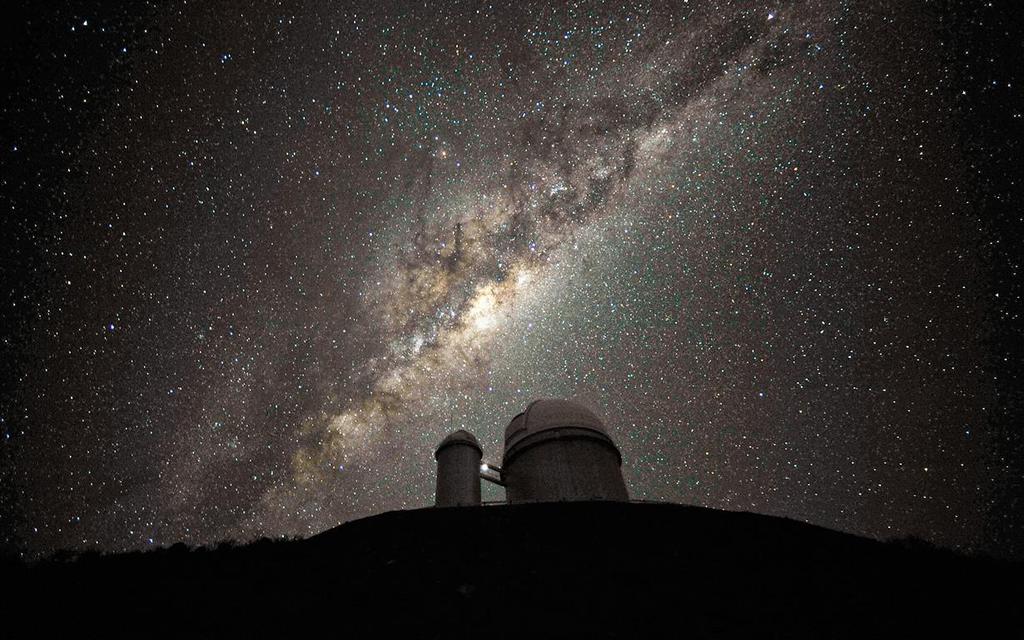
(263, 258)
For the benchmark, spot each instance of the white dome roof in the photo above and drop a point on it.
(551, 413)
(462, 437)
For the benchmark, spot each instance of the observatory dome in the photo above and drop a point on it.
(558, 450)
(458, 468)
(459, 437)
(549, 413)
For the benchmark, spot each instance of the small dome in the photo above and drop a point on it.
(459, 437)
(549, 413)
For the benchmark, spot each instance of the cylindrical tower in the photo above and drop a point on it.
(458, 470)
(559, 450)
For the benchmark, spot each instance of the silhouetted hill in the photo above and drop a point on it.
(582, 569)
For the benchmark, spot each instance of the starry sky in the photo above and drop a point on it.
(259, 258)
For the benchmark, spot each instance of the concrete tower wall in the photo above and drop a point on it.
(565, 469)
(458, 471)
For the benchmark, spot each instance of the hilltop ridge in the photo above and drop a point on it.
(585, 569)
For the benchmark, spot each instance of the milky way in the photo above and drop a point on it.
(268, 257)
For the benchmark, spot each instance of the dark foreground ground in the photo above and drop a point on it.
(601, 570)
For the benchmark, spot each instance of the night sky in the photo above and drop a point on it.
(259, 258)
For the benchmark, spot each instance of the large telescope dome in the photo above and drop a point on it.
(560, 450)
(547, 414)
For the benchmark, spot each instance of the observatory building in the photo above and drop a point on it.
(555, 450)
(458, 470)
